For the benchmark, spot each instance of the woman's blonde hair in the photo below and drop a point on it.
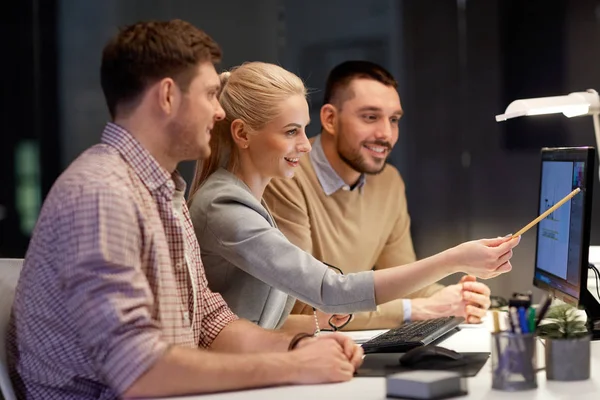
(251, 92)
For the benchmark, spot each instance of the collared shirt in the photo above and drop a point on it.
(331, 182)
(328, 178)
(112, 277)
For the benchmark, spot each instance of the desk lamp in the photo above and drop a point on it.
(572, 105)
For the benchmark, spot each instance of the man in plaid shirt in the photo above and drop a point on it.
(112, 300)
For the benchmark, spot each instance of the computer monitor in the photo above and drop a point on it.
(563, 238)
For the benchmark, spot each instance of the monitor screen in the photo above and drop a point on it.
(563, 237)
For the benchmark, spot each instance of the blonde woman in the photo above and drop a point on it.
(247, 259)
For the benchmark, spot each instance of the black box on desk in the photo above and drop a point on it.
(425, 384)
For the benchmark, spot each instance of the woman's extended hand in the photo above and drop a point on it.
(485, 258)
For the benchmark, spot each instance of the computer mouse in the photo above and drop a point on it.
(497, 302)
(430, 354)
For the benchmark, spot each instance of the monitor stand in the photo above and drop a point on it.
(592, 309)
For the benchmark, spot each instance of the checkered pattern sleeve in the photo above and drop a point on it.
(107, 293)
(216, 315)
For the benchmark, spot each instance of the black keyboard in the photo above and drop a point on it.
(411, 335)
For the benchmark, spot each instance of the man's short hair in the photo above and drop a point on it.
(343, 74)
(146, 52)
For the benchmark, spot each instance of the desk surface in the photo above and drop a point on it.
(470, 338)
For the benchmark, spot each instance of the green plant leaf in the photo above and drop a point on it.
(562, 322)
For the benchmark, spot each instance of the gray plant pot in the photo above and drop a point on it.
(568, 359)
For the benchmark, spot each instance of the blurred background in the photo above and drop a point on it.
(459, 63)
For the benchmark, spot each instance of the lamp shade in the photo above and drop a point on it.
(571, 105)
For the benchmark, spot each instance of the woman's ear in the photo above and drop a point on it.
(239, 133)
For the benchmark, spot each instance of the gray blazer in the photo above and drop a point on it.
(256, 269)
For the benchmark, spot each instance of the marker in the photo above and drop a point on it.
(523, 320)
(514, 320)
(531, 319)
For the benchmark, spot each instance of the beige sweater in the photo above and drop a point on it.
(358, 230)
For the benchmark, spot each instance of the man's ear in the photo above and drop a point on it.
(328, 116)
(168, 94)
(239, 134)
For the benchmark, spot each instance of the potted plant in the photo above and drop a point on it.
(567, 343)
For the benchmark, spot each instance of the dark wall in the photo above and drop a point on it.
(469, 176)
(245, 30)
(29, 141)
(533, 42)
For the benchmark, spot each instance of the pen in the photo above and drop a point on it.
(510, 325)
(507, 322)
(523, 320)
(531, 319)
(514, 320)
(543, 310)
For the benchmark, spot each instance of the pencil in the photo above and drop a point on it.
(496, 321)
(546, 213)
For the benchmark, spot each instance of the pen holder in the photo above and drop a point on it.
(513, 361)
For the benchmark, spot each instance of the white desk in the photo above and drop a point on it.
(594, 258)
(470, 338)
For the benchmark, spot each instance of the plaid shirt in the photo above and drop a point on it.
(112, 277)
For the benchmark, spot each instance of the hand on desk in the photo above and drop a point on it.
(468, 299)
(327, 358)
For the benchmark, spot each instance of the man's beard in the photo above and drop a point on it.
(183, 137)
(357, 161)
